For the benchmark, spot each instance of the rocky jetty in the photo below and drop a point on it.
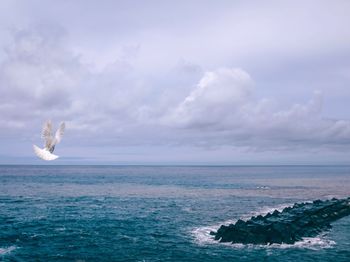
(290, 225)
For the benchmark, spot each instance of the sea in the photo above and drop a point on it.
(159, 213)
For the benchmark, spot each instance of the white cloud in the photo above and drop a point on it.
(37, 76)
(217, 95)
(41, 78)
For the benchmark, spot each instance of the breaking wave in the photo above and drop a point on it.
(6, 250)
(202, 234)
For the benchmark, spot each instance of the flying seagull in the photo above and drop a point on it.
(50, 141)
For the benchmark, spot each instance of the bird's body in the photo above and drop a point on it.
(44, 154)
(50, 141)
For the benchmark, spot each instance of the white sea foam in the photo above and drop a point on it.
(316, 243)
(202, 234)
(6, 250)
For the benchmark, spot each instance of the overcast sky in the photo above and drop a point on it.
(176, 82)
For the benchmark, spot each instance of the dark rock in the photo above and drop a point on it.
(290, 225)
(212, 233)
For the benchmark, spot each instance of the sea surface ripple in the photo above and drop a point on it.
(159, 213)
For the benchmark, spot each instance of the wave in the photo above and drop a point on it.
(202, 234)
(6, 250)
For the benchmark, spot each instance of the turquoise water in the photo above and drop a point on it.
(145, 213)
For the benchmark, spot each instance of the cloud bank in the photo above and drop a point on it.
(41, 79)
(223, 103)
(215, 87)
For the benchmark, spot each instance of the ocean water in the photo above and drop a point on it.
(159, 213)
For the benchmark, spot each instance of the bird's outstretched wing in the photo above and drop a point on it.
(47, 135)
(59, 133)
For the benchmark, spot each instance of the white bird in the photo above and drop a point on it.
(50, 141)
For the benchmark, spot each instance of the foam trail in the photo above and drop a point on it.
(6, 250)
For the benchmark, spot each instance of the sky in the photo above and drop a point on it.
(176, 82)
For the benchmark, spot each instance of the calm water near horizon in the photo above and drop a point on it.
(159, 213)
